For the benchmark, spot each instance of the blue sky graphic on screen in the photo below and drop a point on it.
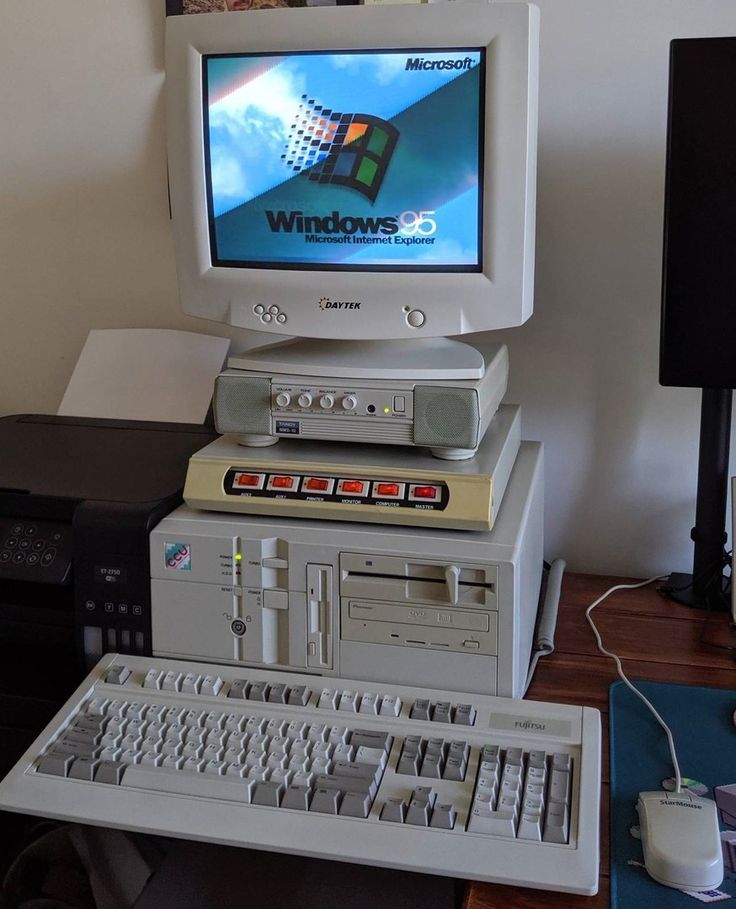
(355, 160)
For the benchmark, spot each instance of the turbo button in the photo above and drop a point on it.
(416, 318)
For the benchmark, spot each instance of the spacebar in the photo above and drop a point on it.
(183, 782)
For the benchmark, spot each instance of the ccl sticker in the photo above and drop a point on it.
(178, 556)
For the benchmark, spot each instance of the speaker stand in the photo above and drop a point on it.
(705, 587)
(439, 359)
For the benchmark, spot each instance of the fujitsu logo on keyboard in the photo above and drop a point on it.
(530, 724)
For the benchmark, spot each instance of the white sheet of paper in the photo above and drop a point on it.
(145, 374)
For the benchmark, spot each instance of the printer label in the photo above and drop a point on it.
(178, 556)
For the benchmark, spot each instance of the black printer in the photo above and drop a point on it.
(78, 499)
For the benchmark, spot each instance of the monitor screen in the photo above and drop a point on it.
(355, 172)
(365, 160)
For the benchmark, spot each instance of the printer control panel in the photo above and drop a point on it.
(34, 550)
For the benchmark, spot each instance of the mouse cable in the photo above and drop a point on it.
(622, 674)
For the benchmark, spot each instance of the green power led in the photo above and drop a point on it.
(387, 410)
(238, 557)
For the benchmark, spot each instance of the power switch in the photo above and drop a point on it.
(399, 403)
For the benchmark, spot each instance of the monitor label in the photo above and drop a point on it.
(351, 160)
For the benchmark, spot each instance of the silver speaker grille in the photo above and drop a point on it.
(242, 404)
(446, 417)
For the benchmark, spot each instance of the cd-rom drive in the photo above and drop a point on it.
(412, 606)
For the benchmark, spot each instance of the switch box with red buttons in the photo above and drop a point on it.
(372, 484)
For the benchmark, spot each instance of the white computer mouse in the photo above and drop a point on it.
(681, 839)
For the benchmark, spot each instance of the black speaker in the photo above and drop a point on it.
(698, 336)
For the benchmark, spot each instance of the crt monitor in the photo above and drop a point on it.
(355, 172)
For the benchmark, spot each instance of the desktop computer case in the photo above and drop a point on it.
(417, 606)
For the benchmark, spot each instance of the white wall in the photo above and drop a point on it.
(85, 243)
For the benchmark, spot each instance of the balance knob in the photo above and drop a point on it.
(283, 399)
(305, 399)
(326, 401)
(350, 402)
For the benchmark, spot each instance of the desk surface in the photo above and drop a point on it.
(656, 639)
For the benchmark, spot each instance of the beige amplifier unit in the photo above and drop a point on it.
(448, 416)
(384, 485)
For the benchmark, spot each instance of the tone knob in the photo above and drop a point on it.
(349, 402)
(305, 399)
(283, 399)
(326, 401)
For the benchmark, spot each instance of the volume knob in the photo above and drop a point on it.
(304, 399)
(349, 402)
(283, 399)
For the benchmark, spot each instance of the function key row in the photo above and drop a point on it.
(346, 700)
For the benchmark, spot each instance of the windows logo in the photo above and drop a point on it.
(352, 150)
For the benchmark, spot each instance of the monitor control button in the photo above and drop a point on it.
(274, 310)
(416, 318)
(266, 317)
(304, 399)
(5, 556)
(283, 399)
(349, 402)
(281, 317)
(16, 530)
(326, 401)
(258, 309)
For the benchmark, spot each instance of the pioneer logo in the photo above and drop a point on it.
(419, 63)
(326, 303)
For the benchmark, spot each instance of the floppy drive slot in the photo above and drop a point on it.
(388, 578)
(319, 616)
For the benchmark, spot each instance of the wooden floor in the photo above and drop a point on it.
(657, 639)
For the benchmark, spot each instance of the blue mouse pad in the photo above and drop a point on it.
(701, 720)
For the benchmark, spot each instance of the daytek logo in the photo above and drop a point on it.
(290, 222)
(419, 63)
(326, 303)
